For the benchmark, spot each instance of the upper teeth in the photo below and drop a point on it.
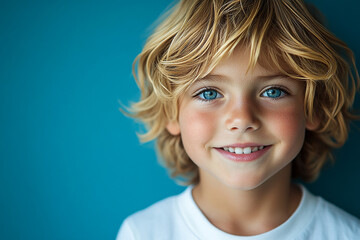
(246, 150)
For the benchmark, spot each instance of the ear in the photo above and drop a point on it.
(173, 127)
(312, 126)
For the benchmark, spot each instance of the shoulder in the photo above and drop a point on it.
(157, 219)
(338, 220)
(161, 211)
(331, 222)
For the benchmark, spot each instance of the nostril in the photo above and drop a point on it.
(250, 127)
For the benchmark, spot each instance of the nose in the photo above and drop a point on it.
(242, 116)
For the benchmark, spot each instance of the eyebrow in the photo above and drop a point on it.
(269, 77)
(213, 77)
(216, 77)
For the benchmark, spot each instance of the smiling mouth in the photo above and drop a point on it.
(246, 150)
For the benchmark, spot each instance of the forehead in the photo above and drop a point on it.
(240, 64)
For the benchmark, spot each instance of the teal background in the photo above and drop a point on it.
(71, 166)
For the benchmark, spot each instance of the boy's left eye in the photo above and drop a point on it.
(274, 93)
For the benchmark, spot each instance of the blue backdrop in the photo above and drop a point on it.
(71, 166)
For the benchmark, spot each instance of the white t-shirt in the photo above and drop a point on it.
(179, 218)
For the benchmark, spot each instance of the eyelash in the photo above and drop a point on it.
(283, 93)
(197, 94)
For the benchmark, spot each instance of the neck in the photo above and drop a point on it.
(248, 212)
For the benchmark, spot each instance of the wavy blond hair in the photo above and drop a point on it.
(195, 35)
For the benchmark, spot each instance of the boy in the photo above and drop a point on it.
(242, 97)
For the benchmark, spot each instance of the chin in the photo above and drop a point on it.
(244, 184)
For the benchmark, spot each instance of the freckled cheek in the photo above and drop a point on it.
(289, 125)
(197, 129)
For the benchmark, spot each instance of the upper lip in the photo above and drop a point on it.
(244, 145)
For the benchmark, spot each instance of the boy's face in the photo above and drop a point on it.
(229, 113)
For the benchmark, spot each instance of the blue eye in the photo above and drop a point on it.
(209, 94)
(274, 93)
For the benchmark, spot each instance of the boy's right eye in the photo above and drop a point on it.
(208, 95)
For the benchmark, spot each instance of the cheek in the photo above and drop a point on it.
(289, 125)
(197, 128)
(295, 121)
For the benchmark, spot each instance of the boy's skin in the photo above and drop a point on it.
(245, 194)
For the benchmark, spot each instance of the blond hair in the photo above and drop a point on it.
(195, 35)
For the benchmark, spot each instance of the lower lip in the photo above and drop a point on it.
(243, 157)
